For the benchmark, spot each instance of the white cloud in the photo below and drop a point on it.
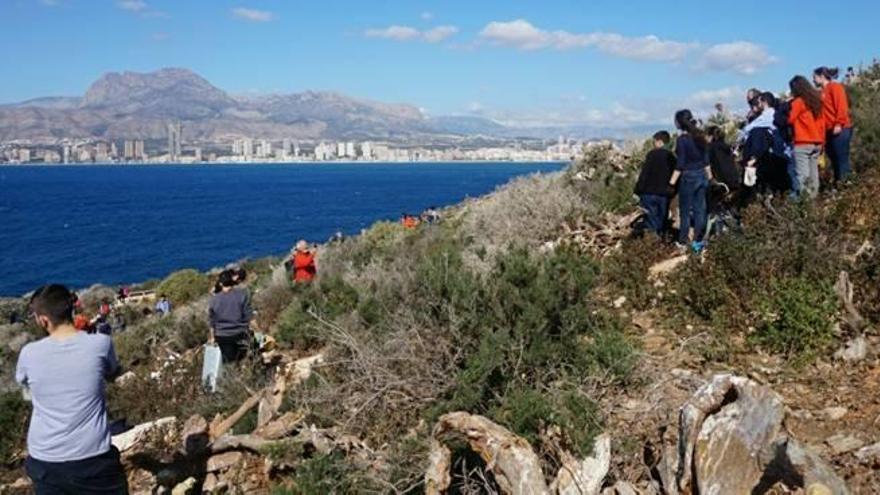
(523, 35)
(253, 15)
(427, 16)
(132, 5)
(439, 33)
(398, 33)
(742, 57)
(407, 33)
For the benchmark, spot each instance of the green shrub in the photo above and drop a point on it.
(322, 475)
(626, 271)
(327, 298)
(796, 317)
(864, 102)
(184, 286)
(13, 425)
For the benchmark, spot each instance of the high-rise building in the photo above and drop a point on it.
(265, 149)
(113, 150)
(285, 148)
(247, 148)
(349, 150)
(65, 153)
(197, 154)
(340, 149)
(24, 155)
(175, 134)
(139, 150)
(296, 150)
(128, 149)
(367, 150)
(102, 153)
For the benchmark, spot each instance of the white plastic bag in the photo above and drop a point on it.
(751, 176)
(211, 366)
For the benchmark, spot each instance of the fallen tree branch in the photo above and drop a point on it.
(219, 428)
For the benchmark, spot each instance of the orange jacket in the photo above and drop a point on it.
(410, 222)
(81, 322)
(808, 129)
(304, 266)
(835, 105)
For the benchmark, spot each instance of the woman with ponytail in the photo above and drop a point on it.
(838, 126)
(809, 133)
(692, 173)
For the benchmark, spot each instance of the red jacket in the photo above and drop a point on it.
(304, 266)
(808, 129)
(835, 105)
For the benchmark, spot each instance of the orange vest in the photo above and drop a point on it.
(304, 266)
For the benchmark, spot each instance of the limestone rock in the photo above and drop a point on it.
(854, 350)
(187, 487)
(731, 440)
(132, 437)
(195, 435)
(667, 266)
(727, 422)
(869, 455)
(842, 443)
(584, 476)
(224, 461)
(834, 413)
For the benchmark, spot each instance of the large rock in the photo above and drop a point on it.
(136, 435)
(731, 440)
(584, 476)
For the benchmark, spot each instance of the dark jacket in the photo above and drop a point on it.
(724, 167)
(691, 156)
(772, 167)
(656, 172)
(230, 312)
(780, 120)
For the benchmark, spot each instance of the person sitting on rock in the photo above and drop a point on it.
(230, 316)
(304, 267)
(68, 441)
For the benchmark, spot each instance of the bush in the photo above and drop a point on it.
(796, 317)
(864, 102)
(14, 413)
(626, 271)
(184, 286)
(322, 475)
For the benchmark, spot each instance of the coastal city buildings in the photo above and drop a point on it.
(262, 150)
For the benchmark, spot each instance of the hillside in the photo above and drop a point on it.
(529, 344)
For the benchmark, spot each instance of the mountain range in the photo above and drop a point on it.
(130, 105)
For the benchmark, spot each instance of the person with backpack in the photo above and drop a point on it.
(809, 133)
(838, 125)
(68, 440)
(652, 185)
(764, 151)
(692, 175)
(230, 316)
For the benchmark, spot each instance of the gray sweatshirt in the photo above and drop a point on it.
(230, 312)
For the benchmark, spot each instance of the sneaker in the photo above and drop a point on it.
(698, 246)
(682, 248)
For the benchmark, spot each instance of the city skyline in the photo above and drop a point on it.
(560, 62)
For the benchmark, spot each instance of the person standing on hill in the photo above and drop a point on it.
(653, 184)
(163, 307)
(809, 133)
(304, 268)
(69, 443)
(692, 173)
(230, 316)
(838, 126)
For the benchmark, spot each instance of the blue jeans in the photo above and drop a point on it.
(656, 210)
(838, 153)
(692, 188)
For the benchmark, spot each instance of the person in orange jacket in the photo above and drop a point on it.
(304, 267)
(838, 126)
(809, 133)
(409, 221)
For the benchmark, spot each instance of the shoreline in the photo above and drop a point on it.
(304, 162)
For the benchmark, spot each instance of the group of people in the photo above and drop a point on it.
(430, 216)
(777, 151)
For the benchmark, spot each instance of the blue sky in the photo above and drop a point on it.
(526, 62)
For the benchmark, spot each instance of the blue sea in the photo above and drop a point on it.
(81, 225)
